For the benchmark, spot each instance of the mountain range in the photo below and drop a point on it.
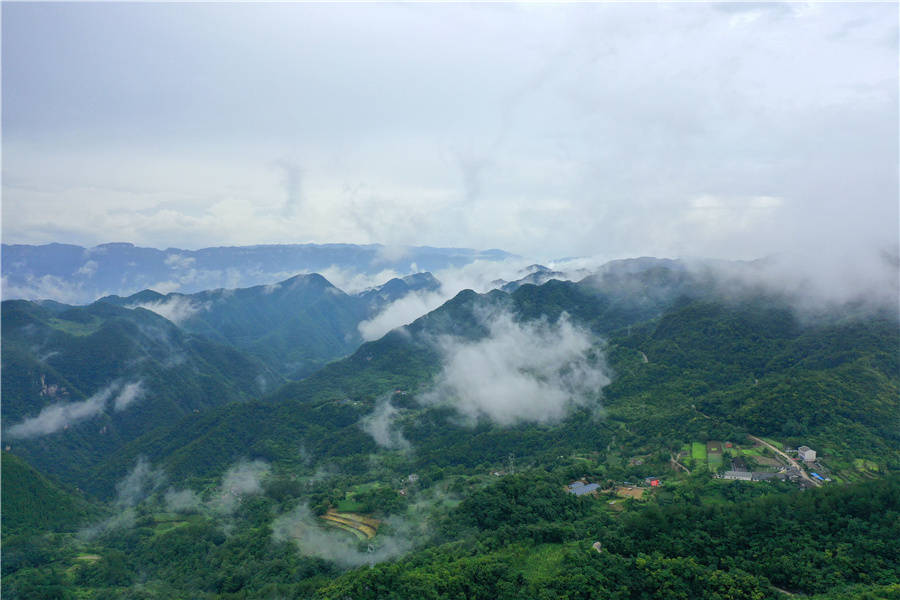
(79, 275)
(235, 425)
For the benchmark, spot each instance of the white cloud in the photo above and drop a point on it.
(401, 312)
(182, 501)
(352, 281)
(175, 309)
(44, 287)
(129, 393)
(575, 129)
(56, 417)
(179, 261)
(241, 480)
(381, 425)
(87, 269)
(59, 416)
(531, 372)
(140, 482)
(311, 537)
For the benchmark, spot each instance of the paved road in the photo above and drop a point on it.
(790, 460)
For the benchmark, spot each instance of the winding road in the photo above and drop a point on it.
(790, 460)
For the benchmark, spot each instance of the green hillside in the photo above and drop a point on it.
(52, 362)
(33, 504)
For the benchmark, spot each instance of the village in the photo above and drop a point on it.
(756, 460)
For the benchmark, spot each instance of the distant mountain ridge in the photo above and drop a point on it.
(79, 275)
(295, 326)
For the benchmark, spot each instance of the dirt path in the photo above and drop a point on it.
(678, 464)
(782, 591)
(790, 460)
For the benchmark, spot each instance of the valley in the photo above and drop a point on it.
(319, 300)
(404, 460)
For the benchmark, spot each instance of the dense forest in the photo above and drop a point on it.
(407, 469)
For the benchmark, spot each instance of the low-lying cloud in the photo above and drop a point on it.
(182, 501)
(61, 415)
(401, 312)
(521, 372)
(176, 309)
(242, 480)
(141, 481)
(382, 426)
(813, 282)
(128, 395)
(307, 532)
(479, 275)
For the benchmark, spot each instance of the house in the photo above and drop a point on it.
(742, 475)
(652, 481)
(580, 488)
(806, 453)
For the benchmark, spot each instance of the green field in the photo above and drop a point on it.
(714, 462)
(698, 451)
(349, 505)
(74, 327)
(862, 464)
(747, 451)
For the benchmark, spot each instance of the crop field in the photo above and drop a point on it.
(862, 464)
(630, 492)
(364, 528)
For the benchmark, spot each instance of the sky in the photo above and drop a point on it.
(613, 130)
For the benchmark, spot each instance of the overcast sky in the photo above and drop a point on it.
(547, 130)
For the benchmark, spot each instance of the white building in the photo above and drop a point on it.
(806, 453)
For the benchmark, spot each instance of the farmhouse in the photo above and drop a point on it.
(765, 476)
(806, 453)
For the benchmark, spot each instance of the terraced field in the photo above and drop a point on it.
(364, 528)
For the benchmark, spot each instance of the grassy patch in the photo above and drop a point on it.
(349, 505)
(75, 328)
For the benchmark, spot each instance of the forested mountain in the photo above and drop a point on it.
(714, 367)
(446, 447)
(79, 275)
(293, 326)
